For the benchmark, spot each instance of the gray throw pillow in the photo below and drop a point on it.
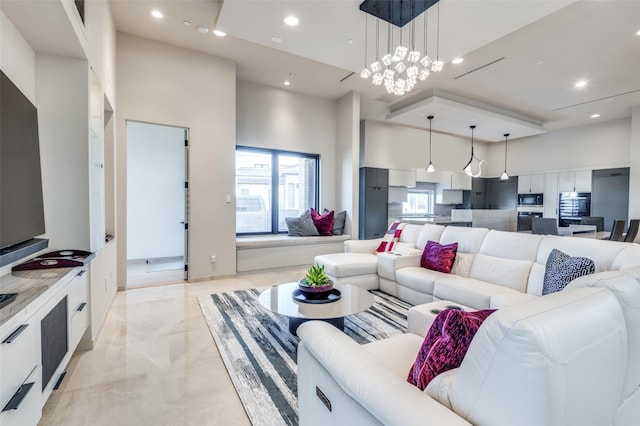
(561, 269)
(338, 222)
(302, 226)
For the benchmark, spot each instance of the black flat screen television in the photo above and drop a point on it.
(21, 205)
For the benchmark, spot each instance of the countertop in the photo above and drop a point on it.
(29, 286)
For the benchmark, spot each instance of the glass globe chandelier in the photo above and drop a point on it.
(400, 67)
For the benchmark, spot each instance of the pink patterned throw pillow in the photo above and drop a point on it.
(323, 222)
(438, 257)
(446, 344)
(391, 238)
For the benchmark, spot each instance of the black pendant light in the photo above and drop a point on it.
(505, 176)
(430, 168)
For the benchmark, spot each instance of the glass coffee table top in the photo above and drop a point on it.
(279, 299)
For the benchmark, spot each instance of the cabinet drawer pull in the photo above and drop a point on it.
(81, 307)
(81, 273)
(15, 334)
(17, 397)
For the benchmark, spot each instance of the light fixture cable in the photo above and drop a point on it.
(430, 168)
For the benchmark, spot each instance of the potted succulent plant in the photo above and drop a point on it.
(316, 284)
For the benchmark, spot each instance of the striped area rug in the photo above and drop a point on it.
(260, 353)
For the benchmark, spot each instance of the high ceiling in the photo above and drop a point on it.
(522, 58)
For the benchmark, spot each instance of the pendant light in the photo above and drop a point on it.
(467, 169)
(430, 168)
(505, 176)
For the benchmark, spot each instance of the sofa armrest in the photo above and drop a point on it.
(377, 390)
(389, 263)
(362, 246)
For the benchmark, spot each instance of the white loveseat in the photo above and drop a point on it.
(492, 269)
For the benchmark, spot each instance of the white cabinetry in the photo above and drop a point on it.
(578, 181)
(404, 178)
(551, 195)
(460, 181)
(20, 376)
(531, 184)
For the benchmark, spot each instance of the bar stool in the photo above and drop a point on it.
(617, 230)
(632, 232)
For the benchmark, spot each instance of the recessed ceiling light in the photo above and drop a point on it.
(276, 39)
(187, 22)
(638, 33)
(581, 83)
(157, 14)
(287, 83)
(292, 21)
(595, 115)
(350, 41)
(202, 29)
(457, 61)
(540, 63)
(219, 33)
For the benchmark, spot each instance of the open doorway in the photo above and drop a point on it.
(157, 204)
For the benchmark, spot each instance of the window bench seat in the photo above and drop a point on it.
(278, 251)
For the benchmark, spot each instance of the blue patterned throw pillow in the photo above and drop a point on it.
(561, 269)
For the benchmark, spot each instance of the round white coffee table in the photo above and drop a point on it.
(279, 299)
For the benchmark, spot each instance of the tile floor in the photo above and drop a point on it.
(155, 362)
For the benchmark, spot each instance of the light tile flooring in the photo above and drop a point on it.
(137, 275)
(155, 362)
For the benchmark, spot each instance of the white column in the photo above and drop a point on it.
(634, 162)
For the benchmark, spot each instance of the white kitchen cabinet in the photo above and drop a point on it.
(405, 178)
(551, 195)
(583, 181)
(577, 181)
(398, 194)
(461, 181)
(531, 184)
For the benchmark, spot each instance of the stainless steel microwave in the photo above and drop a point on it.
(530, 199)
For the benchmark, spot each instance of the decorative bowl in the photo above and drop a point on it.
(315, 291)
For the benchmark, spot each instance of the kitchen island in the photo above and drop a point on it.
(433, 219)
(500, 220)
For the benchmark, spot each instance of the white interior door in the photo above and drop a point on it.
(156, 171)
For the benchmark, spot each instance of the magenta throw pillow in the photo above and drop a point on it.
(446, 344)
(323, 222)
(438, 257)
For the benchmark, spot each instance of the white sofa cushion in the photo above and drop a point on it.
(511, 245)
(505, 272)
(544, 353)
(627, 258)
(469, 239)
(418, 278)
(467, 291)
(601, 252)
(429, 232)
(462, 265)
(410, 233)
(348, 264)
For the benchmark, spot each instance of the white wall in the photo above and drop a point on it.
(17, 58)
(63, 122)
(596, 146)
(280, 119)
(394, 146)
(155, 191)
(159, 83)
(347, 159)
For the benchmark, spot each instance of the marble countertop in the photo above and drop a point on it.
(29, 286)
(427, 219)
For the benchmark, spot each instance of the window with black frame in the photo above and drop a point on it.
(272, 185)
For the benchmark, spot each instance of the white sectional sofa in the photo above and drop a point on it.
(567, 359)
(492, 268)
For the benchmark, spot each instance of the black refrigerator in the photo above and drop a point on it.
(573, 206)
